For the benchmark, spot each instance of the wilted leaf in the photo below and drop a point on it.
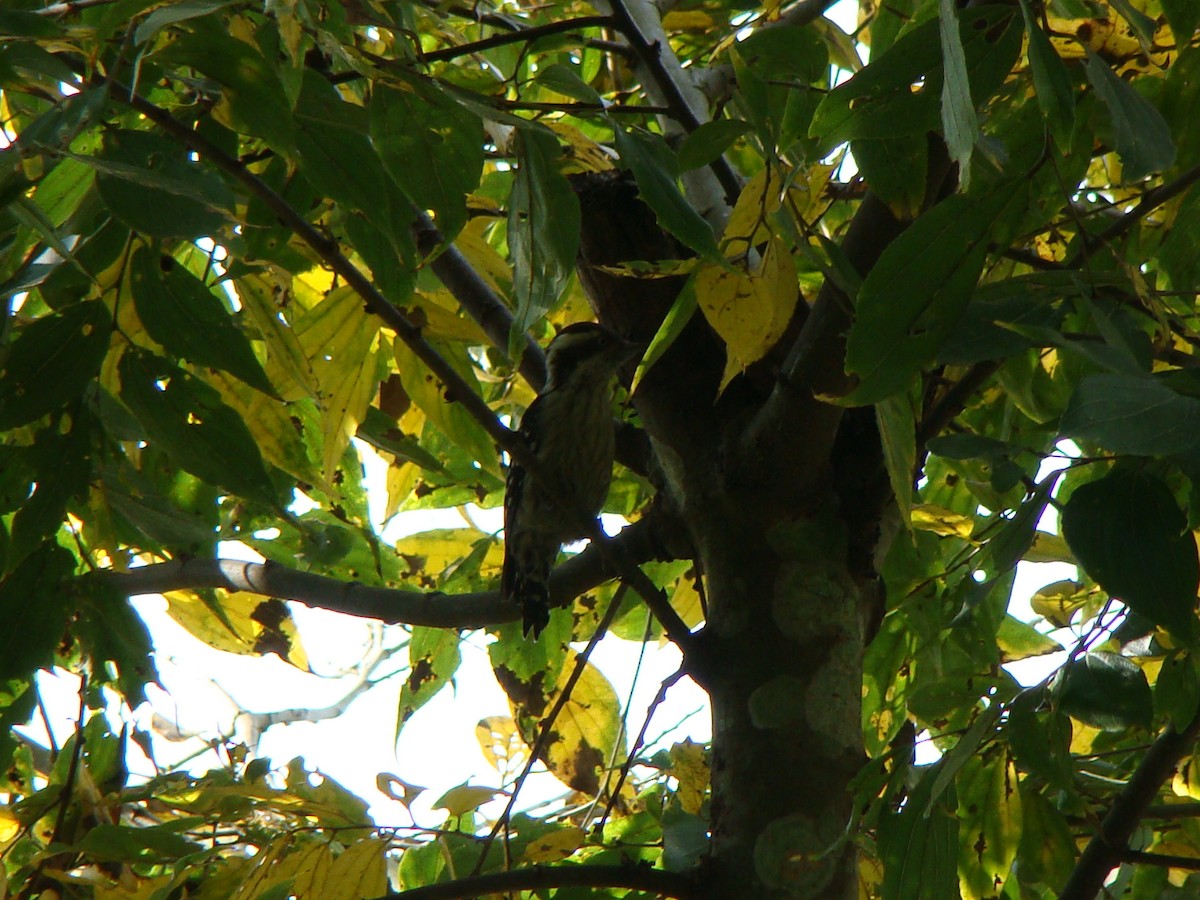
(433, 658)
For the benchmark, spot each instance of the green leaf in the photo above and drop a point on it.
(895, 168)
(433, 658)
(431, 146)
(1177, 689)
(1127, 414)
(566, 81)
(111, 631)
(543, 228)
(919, 844)
(126, 843)
(654, 169)
(188, 320)
(34, 606)
(1019, 640)
(959, 122)
(1051, 82)
(1131, 538)
(51, 362)
(1142, 136)
(1047, 852)
(1105, 690)
(253, 99)
(179, 11)
(338, 159)
(896, 417)
(912, 298)
(188, 420)
(709, 141)
(148, 182)
(989, 813)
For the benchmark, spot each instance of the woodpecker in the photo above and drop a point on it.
(569, 429)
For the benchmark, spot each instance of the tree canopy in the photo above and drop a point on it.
(905, 291)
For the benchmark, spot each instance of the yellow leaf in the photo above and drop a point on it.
(554, 846)
(587, 735)
(483, 258)
(307, 867)
(287, 365)
(261, 876)
(242, 623)
(359, 871)
(462, 799)
(689, 20)
(500, 742)
(437, 311)
(749, 310)
(1059, 601)
(401, 479)
(759, 198)
(686, 600)
(338, 336)
(689, 765)
(582, 153)
(269, 423)
(939, 520)
(430, 553)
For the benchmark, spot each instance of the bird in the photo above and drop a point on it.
(569, 430)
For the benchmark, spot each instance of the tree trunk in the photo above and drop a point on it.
(782, 663)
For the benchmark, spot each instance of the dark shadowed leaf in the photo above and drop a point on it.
(1142, 135)
(1127, 414)
(52, 361)
(148, 182)
(1050, 81)
(1105, 690)
(188, 320)
(187, 419)
(912, 298)
(919, 844)
(431, 145)
(34, 606)
(654, 169)
(1131, 537)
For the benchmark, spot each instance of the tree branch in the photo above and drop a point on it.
(634, 877)
(713, 189)
(637, 543)
(1109, 846)
(1151, 200)
(476, 298)
(531, 33)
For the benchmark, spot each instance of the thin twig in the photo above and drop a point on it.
(62, 9)
(532, 33)
(659, 698)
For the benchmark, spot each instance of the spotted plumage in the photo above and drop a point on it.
(569, 429)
